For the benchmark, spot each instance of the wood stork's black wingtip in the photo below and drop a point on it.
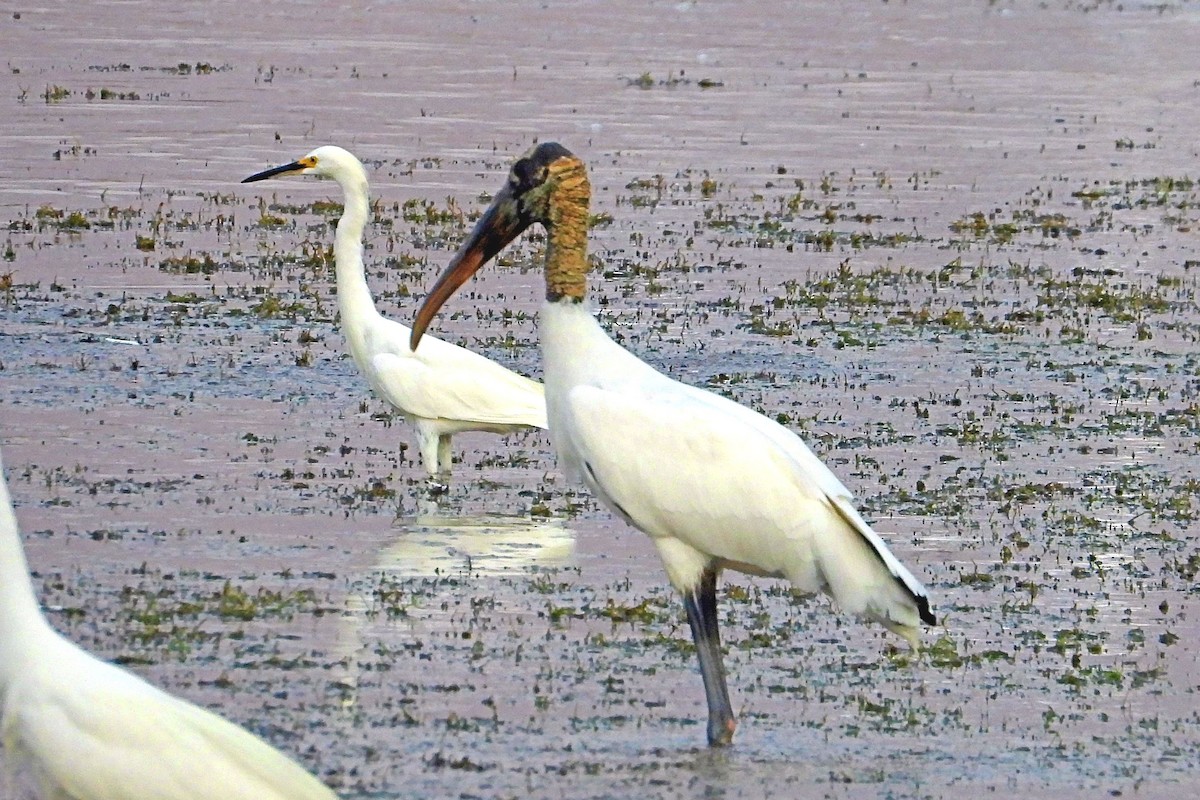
(927, 616)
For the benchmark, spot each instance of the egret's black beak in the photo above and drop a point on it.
(500, 224)
(295, 166)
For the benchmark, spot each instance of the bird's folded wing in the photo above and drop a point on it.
(815, 470)
(851, 515)
(675, 466)
(460, 391)
(785, 439)
(724, 483)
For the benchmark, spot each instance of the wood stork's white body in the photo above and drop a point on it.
(88, 730)
(444, 389)
(714, 484)
(708, 479)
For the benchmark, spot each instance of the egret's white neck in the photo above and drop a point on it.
(354, 298)
(20, 616)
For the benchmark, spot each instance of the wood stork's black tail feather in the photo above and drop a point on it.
(927, 616)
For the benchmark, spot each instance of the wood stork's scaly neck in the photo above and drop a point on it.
(20, 616)
(354, 298)
(567, 232)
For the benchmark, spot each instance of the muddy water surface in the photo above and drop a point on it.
(952, 244)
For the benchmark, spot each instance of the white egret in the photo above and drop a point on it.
(444, 389)
(89, 730)
(714, 484)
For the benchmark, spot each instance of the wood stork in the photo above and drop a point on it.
(444, 389)
(714, 484)
(88, 730)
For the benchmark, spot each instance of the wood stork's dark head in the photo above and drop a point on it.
(549, 185)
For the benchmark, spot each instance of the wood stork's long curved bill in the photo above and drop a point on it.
(713, 484)
(498, 226)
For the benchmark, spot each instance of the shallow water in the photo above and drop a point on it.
(951, 244)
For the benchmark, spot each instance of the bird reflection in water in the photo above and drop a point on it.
(435, 543)
(432, 543)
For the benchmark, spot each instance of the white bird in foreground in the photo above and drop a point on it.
(444, 389)
(89, 730)
(713, 483)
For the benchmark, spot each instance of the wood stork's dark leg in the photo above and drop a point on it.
(701, 605)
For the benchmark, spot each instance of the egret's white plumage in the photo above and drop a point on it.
(714, 484)
(444, 389)
(88, 730)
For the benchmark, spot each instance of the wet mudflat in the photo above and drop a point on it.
(952, 244)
